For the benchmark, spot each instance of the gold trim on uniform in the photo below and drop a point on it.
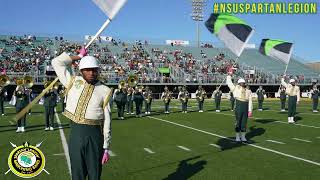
(72, 117)
(79, 115)
(107, 98)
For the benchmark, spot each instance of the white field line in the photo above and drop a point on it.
(273, 141)
(184, 148)
(252, 145)
(149, 150)
(303, 140)
(64, 143)
(296, 124)
(215, 145)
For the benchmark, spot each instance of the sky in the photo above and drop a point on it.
(154, 20)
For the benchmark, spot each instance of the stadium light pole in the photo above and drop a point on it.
(197, 15)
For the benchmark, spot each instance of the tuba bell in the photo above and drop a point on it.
(4, 80)
(132, 80)
(122, 84)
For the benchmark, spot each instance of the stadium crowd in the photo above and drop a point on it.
(26, 53)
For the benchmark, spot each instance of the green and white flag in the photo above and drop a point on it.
(231, 30)
(277, 49)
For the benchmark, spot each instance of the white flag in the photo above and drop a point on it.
(110, 7)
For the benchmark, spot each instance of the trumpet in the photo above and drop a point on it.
(4, 80)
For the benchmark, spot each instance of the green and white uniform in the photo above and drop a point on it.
(88, 109)
(294, 96)
(243, 104)
(260, 93)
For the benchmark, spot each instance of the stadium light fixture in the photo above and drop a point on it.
(197, 15)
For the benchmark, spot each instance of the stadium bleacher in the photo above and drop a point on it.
(190, 65)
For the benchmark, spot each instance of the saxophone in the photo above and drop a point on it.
(202, 94)
(166, 97)
(184, 96)
(149, 97)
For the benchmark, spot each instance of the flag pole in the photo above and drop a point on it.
(285, 71)
(103, 27)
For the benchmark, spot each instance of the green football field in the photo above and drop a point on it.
(185, 146)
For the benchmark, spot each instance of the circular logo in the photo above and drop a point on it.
(26, 161)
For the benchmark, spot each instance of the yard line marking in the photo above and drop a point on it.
(303, 140)
(184, 148)
(64, 143)
(296, 124)
(149, 150)
(318, 137)
(59, 154)
(215, 145)
(253, 145)
(278, 142)
(12, 123)
(112, 154)
(297, 113)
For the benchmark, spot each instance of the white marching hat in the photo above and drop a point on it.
(241, 81)
(88, 62)
(292, 80)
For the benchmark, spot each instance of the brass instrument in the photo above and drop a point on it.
(122, 84)
(55, 86)
(132, 81)
(167, 97)
(148, 96)
(20, 88)
(4, 80)
(201, 95)
(184, 96)
(28, 82)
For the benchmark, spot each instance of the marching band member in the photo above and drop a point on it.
(29, 95)
(147, 99)
(183, 96)
(293, 91)
(283, 97)
(166, 97)
(260, 93)
(138, 99)
(243, 107)
(120, 98)
(200, 94)
(21, 103)
(89, 111)
(3, 95)
(315, 97)
(217, 94)
(50, 102)
(130, 92)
